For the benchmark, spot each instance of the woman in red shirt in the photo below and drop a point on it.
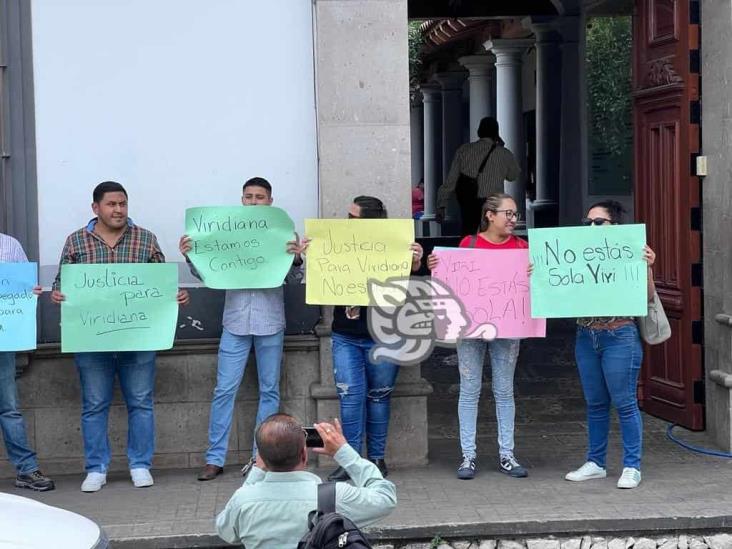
(498, 221)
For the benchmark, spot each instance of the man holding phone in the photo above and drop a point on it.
(272, 506)
(313, 438)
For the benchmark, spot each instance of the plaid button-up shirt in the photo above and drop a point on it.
(501, 165)
(136, 245)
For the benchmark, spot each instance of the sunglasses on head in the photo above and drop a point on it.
(597, 221)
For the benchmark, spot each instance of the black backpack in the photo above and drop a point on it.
(328, 529)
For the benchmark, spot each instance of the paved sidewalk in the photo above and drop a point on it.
(680, 491)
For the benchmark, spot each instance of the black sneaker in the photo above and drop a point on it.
(381, 464)
(34, 481)
(509, 465)
(466, 471)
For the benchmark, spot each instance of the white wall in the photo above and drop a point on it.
(178, 100)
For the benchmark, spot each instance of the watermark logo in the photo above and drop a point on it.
(411, 315)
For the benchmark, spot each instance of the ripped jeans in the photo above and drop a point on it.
(364, 390)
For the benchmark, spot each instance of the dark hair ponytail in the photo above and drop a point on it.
(614, 209)
(371, 207)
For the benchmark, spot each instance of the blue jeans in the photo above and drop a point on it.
(11, 421)
(609, 362)
(233, 356)
(364, 390)
(471, 356)
(136, 371)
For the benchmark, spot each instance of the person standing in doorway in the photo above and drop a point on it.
(498, 220)
(252, 318)
(418, 200)
(112, 237)
(11, 420)
(609, 353)
(478, 169)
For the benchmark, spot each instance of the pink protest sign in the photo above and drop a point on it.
(493, 286)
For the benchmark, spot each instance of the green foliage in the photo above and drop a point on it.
(436, 542)
(609, 46)
(415, 47)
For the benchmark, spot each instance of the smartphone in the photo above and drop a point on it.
(312, 438)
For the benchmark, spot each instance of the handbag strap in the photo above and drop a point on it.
(473, 240)
(326, 497)
(482, 164)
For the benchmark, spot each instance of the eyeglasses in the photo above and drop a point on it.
(510, 214)
(597, 221)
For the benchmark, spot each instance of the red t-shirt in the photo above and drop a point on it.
(513, 243)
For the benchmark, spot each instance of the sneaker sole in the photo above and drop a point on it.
(92, 490)
(512, 474)
(628, 487)
(591, 477)
(29, 486)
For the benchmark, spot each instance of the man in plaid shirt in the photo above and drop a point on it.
(112, 237)
(11, 420)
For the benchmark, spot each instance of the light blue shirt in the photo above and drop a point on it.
(258, 312)
(271, 509)
(10, 250)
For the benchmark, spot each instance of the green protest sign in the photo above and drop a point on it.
(241, 246)
(118, 307)
(588, 271)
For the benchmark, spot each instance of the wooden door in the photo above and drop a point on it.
(668, 198)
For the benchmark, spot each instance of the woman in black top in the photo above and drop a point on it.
(364, 388)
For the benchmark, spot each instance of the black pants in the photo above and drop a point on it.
(470, 208)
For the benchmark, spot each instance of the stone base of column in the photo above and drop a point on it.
(430, 227)
(719, 408)
(545, 212)
(407, 443)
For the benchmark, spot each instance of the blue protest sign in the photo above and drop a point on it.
(18, 306)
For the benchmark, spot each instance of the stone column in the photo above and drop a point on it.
(451, 83)
(548, 123)
(717, 215)
(573, 146)
(510, 112)
(481, 69)
(416, 134)
(362, 105)
(363, 147)
(432, 106)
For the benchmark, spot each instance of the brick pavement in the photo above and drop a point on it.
(680, 491)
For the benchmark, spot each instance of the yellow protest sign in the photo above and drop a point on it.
(344, 254)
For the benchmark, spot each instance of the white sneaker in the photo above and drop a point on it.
(588, 471)
(141, 477)
(94, 482)
(630, 478)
